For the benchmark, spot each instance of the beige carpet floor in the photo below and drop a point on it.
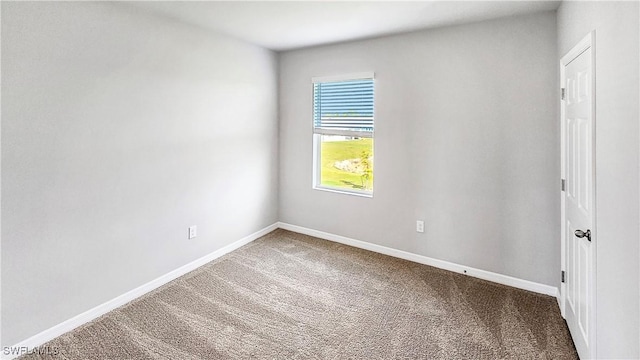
(291, 296)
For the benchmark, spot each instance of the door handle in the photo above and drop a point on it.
(581, 234)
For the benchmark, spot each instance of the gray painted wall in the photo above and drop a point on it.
(617, 184)
(120, 130)
(466, 138)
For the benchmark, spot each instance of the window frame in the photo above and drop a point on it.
(317, 141)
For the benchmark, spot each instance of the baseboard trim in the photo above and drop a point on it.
(466, 270)
(91, 314)
(87, 316)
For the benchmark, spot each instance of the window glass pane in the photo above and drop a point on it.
(346, 162)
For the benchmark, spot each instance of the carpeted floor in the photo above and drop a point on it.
(291, 296)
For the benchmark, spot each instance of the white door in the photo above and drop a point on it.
(578, 213)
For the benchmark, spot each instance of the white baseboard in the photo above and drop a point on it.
(85, 317)
(481, 274)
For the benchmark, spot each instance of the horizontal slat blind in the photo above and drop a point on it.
(343, 106)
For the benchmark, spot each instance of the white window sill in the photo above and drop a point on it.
(366, 194)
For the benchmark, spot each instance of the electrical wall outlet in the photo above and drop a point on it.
(193, 231)
(420, 226)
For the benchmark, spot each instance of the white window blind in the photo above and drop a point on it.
(343, 107)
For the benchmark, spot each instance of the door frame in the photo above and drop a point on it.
(584, 44)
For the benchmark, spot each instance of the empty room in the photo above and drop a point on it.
(320, 180)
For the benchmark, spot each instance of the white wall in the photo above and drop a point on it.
(617, 185)
(467, 139)
(120, 130)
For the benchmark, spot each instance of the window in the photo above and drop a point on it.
(343, 114)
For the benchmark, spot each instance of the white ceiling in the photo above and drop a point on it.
(286, 25)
